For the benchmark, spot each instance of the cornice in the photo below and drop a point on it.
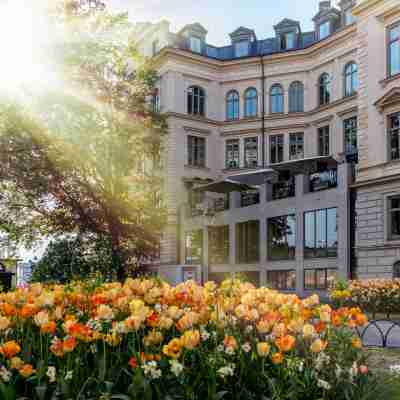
(272, 117)
(241, 132)
(365, 5)
(381, 180)
(197, 130)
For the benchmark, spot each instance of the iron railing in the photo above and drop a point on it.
(283, 189)
(249, 199)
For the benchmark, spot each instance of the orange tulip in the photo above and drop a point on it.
(285, 343)
(10, 349)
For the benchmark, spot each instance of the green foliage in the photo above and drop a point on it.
(73, 259)
(85, 157)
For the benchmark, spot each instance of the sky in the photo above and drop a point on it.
(221, 17)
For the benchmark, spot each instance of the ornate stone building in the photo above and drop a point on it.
(261, 173)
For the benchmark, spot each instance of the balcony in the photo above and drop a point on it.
(323, 180)
(249, 198)
(283, 189)
(209, 206)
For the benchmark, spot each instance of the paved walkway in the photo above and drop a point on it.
(374, 334)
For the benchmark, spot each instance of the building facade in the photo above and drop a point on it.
(261, 173)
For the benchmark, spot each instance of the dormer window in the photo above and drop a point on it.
(195, 44)
(324, 30)
(349, 18)
(242, 48)
(288, 41)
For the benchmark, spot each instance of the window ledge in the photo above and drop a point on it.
(389, 79)
(197, 167)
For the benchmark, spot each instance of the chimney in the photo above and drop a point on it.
(324, 5)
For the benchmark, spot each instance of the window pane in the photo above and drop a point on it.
(394, 54)
(219, 245)
(324, 30)
(248, 235)
(394, 33)
(320, 239)
(242, 49)
(394, 132)
(309, 234)
(309, 279)
(296, 146)
(194, 247)
(394, 215)
(350, 134)
(281, 237)
(320, 277)
(195, 44)
(232, 153)
(251, 152)
(332, 240)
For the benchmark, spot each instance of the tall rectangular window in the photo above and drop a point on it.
(282, 237)
(394, 136)
(251, 152)
(394, 217)
(196, 151)
(319, 279)
(218, 239)
(350, 134)
(248, 242)
(324, 30)
(195, 44)
(288, 41)
(394, 50)
(232, 155)
(194, 247)
(296, 146)
(276, 148)
(242, 48)
(323, 141)
(282, 280)
(320, 233)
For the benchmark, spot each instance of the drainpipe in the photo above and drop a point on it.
(262, 110)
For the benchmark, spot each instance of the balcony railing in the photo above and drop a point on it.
(249, 199)
(283, 189)
(323, 180)
(209, 206)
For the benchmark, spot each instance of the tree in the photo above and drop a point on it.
(74, 258)
(84, 158)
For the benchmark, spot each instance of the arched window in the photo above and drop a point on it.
(350, 79)
(196, 99)
(232, 105)
(276, 99)
(250, 102)
(324, 89)
(396, 270)
(296, 97)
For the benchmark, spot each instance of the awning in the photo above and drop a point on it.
(306, 165)
(256, 177)
(224, 187)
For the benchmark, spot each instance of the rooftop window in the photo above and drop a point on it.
(242, 48)
(195, 44)
(324, 30)
(288, 41)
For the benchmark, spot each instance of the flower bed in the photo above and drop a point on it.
(375, 296)
(148, 340)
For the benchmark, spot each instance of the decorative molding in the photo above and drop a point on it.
(321, 121)
(365, 5)
(241, 132)
(387, 14)
(388, 80)
(347, 111)
(388, 99)
(197, 130)
(294, 128)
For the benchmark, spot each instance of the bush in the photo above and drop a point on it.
(147, 340)
(375, 296)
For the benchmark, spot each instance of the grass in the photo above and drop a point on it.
(380, 361)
